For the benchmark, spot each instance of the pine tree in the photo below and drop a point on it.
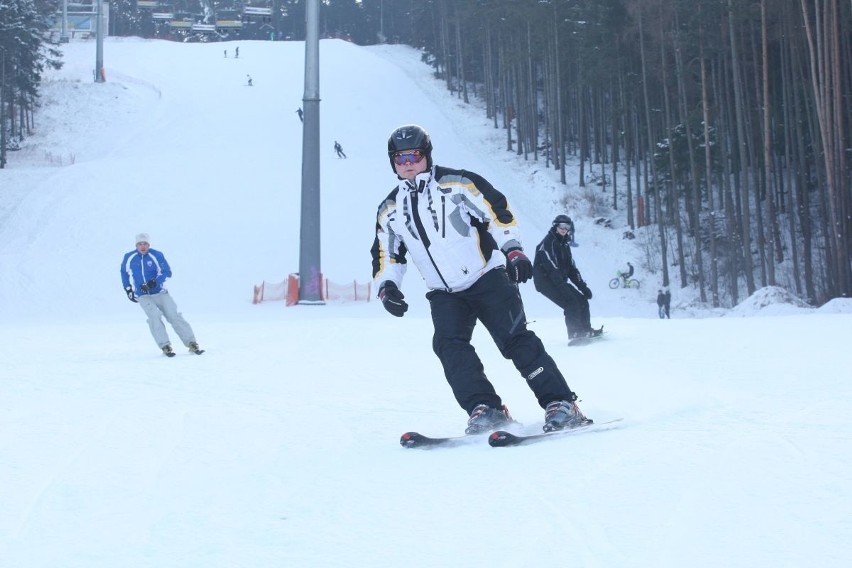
(25, 52)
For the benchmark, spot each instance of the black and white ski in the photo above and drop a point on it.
(419, 441)
(502, 439)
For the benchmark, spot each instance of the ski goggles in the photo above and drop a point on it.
(565, 226)
(408, 157)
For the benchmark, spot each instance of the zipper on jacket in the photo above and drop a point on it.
(424, 238)
(443, 216)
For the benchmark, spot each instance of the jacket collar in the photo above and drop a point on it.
(421, 181)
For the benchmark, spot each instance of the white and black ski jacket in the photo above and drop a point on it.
(453, 223)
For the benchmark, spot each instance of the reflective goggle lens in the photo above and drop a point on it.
(407, 157)
(565, 226)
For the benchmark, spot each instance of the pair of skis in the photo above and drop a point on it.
(500, 438)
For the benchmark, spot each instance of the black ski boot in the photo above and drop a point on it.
(486, 419)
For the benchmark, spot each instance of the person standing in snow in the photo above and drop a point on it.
(463, 238)
(664, 301)
(555, 275)
(144, 272)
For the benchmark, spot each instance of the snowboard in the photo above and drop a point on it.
(580, 341)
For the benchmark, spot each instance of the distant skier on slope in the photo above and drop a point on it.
(339, 149)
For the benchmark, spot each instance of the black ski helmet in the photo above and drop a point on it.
(410, 137)
(562, 219)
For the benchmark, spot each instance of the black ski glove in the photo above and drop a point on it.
(130, 295)
(392, 299)
(584, 289)
(520, 268)
(149, 285)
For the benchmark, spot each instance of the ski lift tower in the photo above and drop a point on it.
(310, 273)
(63, 36)
(100, 77)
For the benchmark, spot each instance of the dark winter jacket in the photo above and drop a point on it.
(554, 265)
(137, 269)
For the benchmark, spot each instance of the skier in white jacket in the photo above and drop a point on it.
(460, 233)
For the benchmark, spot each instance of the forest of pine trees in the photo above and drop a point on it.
(25, 52)
(727, 121)
(720, 126)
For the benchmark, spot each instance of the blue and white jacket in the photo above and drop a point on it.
(136, 269)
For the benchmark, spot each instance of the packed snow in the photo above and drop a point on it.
(279, 446)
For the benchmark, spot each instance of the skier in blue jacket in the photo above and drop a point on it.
(144, 272)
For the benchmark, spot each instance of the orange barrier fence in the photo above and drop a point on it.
(288, 291)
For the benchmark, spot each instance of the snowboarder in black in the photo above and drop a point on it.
(554, 272)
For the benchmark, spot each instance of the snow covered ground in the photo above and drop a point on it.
(279, 446)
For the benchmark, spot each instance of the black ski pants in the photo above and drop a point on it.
(575, 306)
(496, 302)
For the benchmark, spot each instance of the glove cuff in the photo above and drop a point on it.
(510, 246)
(386, 285)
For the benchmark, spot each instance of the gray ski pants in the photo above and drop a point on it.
(161, 305)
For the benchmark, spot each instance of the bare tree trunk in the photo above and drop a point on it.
(460, 59)
(658, 206)
(748, 265)
(532, 97)
(443, 24)
(788, 163)
(490, 84)
(824, 63)
(672, 208)
(694, 204)
(614, 135)
(708, 174)
(727, 198)
(581, 127)
(775, 251)
(628, 154)
(559, 138)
